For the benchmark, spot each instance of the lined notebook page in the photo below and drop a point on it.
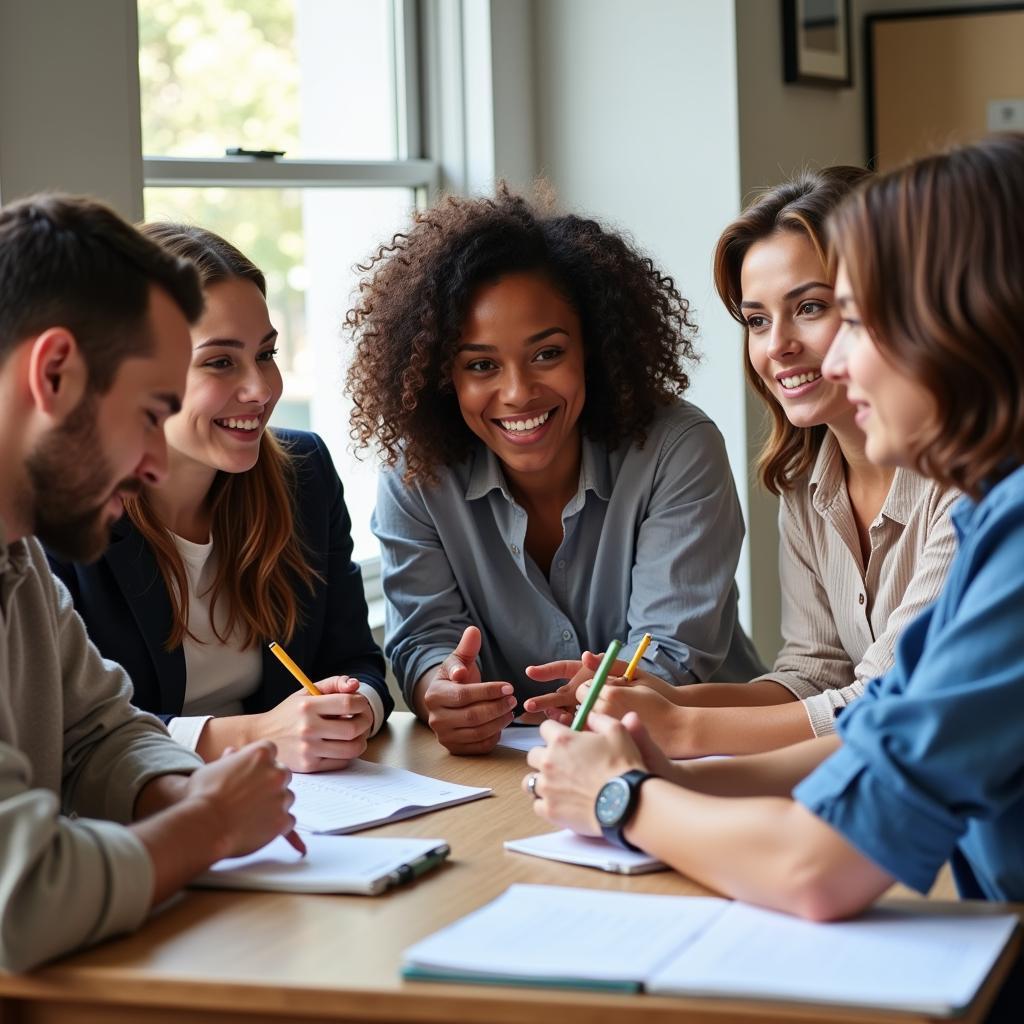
(548, 932)
(887, 958)
(365, 794)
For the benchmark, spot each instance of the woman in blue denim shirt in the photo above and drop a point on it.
(929, 765)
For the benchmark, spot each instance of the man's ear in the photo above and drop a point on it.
(57, 374)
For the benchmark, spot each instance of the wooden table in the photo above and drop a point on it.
(262, 957)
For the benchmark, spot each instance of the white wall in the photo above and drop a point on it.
(69, 100)
(637, 124)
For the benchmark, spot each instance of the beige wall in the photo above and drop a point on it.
(936, 76)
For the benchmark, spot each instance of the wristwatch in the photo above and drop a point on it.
(616, 801)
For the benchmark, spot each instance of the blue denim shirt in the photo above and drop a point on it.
(651, 542)
(932, 762)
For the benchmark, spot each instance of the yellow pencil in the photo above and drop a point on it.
(282, 656)
(635, 660)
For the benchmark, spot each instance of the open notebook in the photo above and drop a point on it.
(889, 958)
(333, 864)
(366, 794)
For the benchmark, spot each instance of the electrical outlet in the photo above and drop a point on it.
(1006, 115)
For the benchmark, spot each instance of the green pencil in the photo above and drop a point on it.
(595, 687)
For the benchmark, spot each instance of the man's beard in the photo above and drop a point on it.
(71, 484)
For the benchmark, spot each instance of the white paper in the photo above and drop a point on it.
(366, 794)
(548, 932)
(331, 864)
(887, 958)
(521, 737)
(568, 847)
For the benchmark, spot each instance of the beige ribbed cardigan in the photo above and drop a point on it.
(840, 618)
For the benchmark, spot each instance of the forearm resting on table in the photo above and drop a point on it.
(182, 841)
(771, 774)
(738, 730)
(762, 693)
(766, 850)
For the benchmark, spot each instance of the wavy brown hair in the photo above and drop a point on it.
(801, 205)
(413, 301)
(935, 257)
(259, 558)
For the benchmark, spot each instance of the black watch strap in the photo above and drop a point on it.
(613, 831)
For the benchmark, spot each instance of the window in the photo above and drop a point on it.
(332, 85)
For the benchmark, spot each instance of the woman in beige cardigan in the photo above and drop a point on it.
(864, 548)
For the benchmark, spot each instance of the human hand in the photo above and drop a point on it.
(560, 704)
(664, 720)
(573, 767)
(316, 734)
(465, 713)
(641, 677)
(247, 791)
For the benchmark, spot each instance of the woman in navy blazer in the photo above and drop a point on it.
(251, 526)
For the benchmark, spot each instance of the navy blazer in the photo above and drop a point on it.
(127, 610)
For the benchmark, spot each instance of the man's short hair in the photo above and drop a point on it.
(69, 261)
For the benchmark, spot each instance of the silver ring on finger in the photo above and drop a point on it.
(531, 786)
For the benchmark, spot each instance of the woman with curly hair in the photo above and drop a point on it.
(864, 548)
(549, 490)
(928, 765)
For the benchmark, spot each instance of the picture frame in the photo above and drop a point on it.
(934, 109)
(816, 43)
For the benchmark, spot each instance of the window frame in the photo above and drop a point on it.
(411, 169)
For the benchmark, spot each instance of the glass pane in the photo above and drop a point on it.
(315, 78)
(307, 243)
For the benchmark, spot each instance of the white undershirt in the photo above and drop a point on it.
(219, 676)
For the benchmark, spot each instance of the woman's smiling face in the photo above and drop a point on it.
(791, 316)
(518, 372)
(233, 381)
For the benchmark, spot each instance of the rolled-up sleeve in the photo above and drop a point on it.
(936, 743)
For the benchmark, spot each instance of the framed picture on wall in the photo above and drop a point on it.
(919, 106)
(816, 42)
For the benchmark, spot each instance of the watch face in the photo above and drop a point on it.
(612, 802)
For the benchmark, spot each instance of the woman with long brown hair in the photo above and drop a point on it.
(864, 548)
(246, 542)
(928, 765)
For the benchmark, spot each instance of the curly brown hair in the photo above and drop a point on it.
(418, 289)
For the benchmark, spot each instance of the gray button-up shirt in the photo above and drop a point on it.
(652, 538)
